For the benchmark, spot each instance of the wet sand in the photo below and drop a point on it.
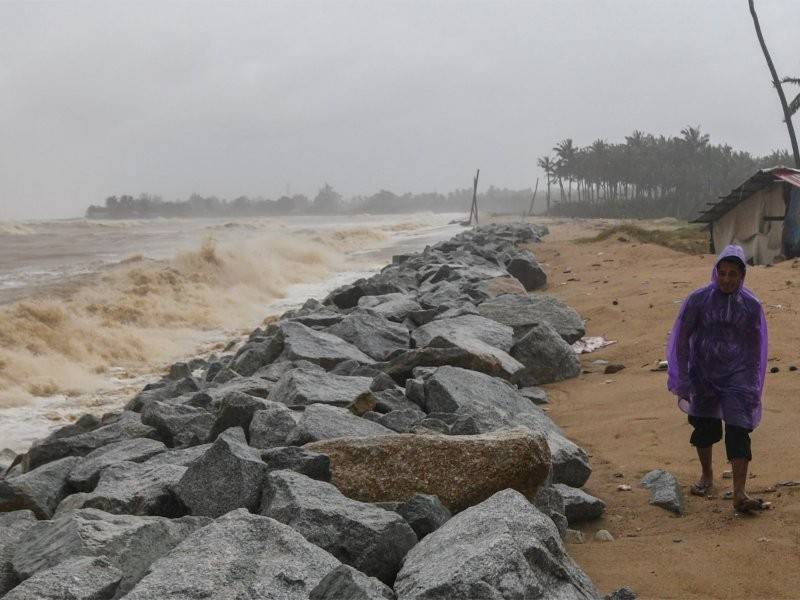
(630, 424)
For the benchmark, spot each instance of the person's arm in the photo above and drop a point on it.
(685, 326)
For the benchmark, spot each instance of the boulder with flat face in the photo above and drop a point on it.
(466, 469)
(546, 357)
(373, 334)
(239, 555)
(308, 463)
(229, 475)
(486, 330)
(272, 426)
(366, 537)
(130, 543)
(394, 307)
(85, 578)
(179, 425)
(578, 505)
(39, 490)
(303, 387)
(323, 422)
(236, 409)
(524, 267)
(523, 312)
(318, 347)
(85, 474)
(347, 582)
(502, 548)
(13, 526)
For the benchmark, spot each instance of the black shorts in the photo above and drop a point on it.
(708, 431)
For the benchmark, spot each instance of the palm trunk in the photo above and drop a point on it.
(787, 116)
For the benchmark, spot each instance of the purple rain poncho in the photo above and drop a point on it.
(717, 352)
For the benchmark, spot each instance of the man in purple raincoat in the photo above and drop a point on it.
(717, 357)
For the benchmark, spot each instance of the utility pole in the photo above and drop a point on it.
(474, 208)
(533, 198)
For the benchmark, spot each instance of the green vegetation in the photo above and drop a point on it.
(691, 239)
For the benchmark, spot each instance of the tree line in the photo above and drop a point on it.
(647, 175)
(326, 202)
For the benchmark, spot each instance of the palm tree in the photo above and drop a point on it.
(548, 166)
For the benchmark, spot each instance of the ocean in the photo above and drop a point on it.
(92, 310)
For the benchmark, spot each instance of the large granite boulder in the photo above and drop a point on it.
(126, 426)
(272, 426)
(345, 582)
(13, 526)
(179, 425)
(524, 267)
(372, 540)
(254, 355)
(323, 422)
(425, 513)
(129, 488)
(235, 410)
(502, 548)
(179, 456)
(308, 463)
(372, 333)
(546, 356)
(84, 578)
(472, 354)
(318, 347)
(394, 307)
(130, 543)
(229, 475)
(570, 461)
(84, 475)
(304, 387)
(466, 469)
(456, 329)
(491, 402)
(39, 490)
(240, 555)
(523, 312)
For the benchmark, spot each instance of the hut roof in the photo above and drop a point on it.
(762, 179)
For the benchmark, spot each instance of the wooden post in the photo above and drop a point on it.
(474, 208)
(533, 198)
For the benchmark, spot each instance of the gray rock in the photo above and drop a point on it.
(470, 354)
(546, 356)
(570, 461)
(425, 513)
(13, 526)
(372, 540)
(319, 319)
(468, 326)
(133, 489)
(381, 382)
(664, 490)
(550, 502)
(86, 578)
(276, 370)
(322, 422)
(239, 555)
(128, 426)
(162, 391)
(623, 593)
(236, 410)
(388, 400)
(7, 457)
(373, 334)
(179, 370)
(225, 375)
(431, 426)
(524, 268)
(415, 391)
(401, 421)
(272, 426)
(130, 543)
(39, 490)
(182, 456)
(85, 474)
(394, 307)
(535, 394)
(178, 424)
(311, 464)
(229, 475)
(318, 347)
(345, 582)
(253, 356)
(578, 505)
(464, 425)
(303, 387)
(488, 400)
(503, 547)
(523, 312)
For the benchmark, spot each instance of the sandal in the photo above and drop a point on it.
(750, 506)
(700, 489)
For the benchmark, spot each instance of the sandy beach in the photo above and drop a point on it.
(630, 292)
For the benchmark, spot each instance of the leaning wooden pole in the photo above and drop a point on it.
(533, 198)
(787, 115)
(474, 208)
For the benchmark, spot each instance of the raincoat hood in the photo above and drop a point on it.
(733, 251)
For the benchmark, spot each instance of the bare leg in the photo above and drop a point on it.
(707, 475)
(739, 467)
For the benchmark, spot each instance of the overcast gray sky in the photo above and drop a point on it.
(231, 98)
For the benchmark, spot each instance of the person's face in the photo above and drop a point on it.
(729, 276)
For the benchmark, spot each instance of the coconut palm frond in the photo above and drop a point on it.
(793, 80)
(794, 105)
